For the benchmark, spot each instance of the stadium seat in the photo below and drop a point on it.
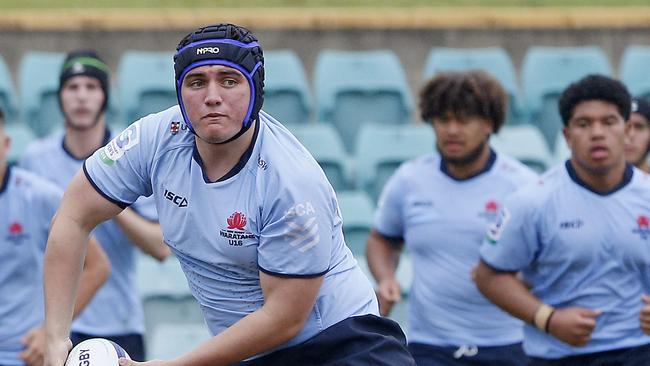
(526, 144)
(146, 83)
(38, 77)
(21, 136)
(633, 70)
(325, 145)
(382, 148)
(547, 71)
(8, 102)
(357, 210)
(286, 92)
(562, 151)
(165, 293)
(357, 87)
(170, 341)
(493, 60)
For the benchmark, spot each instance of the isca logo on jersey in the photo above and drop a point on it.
(176, 199)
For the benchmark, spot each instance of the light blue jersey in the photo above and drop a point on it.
(442, 221)
(27, 205)
(274, 212)
(116, 309)
(579, 248)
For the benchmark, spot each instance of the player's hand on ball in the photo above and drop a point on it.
(388, 294)
(573, 325)
(34, 342)
(56, 351)
(127, 362)
(644, 316)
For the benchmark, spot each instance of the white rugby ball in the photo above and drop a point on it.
(96, 352)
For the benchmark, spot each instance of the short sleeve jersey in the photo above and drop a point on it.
(275, 213)
(442, 221)
(116, 308)
(28, 204)
(577, 247)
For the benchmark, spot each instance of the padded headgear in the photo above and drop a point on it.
(223, 44)
(85, 63)
(642, 107)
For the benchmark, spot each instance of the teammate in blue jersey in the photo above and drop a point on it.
(580, 238)
(28, 204)
(247, 211)
(439, 206)
(116, 311)
(637, 144)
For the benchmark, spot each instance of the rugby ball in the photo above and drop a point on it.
(96, 352)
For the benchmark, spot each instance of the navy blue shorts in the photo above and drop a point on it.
(428, 355)
(634, 356)
(133, 344)
(356, 341)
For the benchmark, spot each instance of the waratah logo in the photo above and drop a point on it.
(237, 221)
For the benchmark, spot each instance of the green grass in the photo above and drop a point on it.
(134, 4)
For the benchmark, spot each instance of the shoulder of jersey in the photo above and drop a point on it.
(43, 145)
(23, 179)
(166, 128)
(426, 161)
(512, 169)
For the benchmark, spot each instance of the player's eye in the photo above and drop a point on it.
(229, 83)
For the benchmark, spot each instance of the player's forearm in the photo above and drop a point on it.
(144, 233)
(96, 270)
(506, 291)
(258, 332)
(382, 256)
(64, 258)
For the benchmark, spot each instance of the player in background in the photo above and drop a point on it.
(116, 311)
(248, 212)
(580, 238)
(439, 206)
(637, 144)
(28, 205)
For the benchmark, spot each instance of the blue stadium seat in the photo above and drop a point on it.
(547, 71)
(526, 144)
(357, 87)
(324, 143)
(165, 293)
(169, 341)
(357, 211)
(8, 101)
(633, 70)
(382, 148)
(38, 77)
(286, 92)
(494, 60)
(21, 136)
(146, 83)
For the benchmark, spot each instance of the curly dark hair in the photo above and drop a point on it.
(595, 87)
(464, 94)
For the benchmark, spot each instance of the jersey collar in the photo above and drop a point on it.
(488, 165)
(107, 138)
(627, 178)
(5, 180)
(240, 164)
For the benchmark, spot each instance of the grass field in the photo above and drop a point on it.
(77, 4)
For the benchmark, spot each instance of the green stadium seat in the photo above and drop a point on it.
(633, 70)
(171, 341)
(146, 83)
(21, 136)
(357, 211)
(8, 102)
(493, 60)
(38, 76)
(286, 92)
(354, 88)
(382, 148)
(547, 71)
(526, 144)
(324, 143)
